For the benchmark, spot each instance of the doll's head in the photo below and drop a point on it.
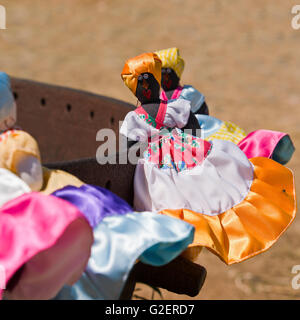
(172, 68)
(142, 75)
(8, 109)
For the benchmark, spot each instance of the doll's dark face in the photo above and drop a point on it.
(169, 79)
(147, 90)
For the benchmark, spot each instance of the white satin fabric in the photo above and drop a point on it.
(153, 238)
(194, 96)
(136, 129)
(177, 113)
(222, 181)
(11, 186)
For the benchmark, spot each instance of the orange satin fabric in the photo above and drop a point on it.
(146, 62)
(255, 224)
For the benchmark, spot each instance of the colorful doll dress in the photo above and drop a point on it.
(121, 237)
(259, 143)
(239, 207)
(45, 242)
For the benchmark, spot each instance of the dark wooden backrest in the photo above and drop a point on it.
(65, 121)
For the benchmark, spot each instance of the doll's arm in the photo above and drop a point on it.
(203, 109)
(193, 126)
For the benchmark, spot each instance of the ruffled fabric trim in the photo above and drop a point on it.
(119, 242)
(46, 236)
(255, 224)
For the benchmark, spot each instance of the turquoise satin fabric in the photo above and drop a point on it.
(194, 96)
(6, 97)
(208, 124)
(284, 150)
(153, 238)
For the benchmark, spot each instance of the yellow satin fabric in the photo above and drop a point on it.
(229, 132)
(57, 179)
(252, 226)
(14, 147)
(171, 58)
(19, 145)
(146, 62)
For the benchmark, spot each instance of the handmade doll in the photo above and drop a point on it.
(172, 68)
(259, 143)
(19, 152)
(239, 207)
(146, 86)
(45, 242)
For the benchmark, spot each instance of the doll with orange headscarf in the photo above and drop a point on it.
(239, 207)
(143, 76)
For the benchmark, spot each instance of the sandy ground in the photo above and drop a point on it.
(243, 55)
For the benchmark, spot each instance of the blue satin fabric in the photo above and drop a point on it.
(153, 238)
(94, 202)
(194, 96)
(208, 124)
(6, 97)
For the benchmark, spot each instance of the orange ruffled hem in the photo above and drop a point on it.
(252, 226)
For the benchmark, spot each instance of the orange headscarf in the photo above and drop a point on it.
(146, 62)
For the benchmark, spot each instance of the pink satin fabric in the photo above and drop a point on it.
(260, 143)
(49, 237)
